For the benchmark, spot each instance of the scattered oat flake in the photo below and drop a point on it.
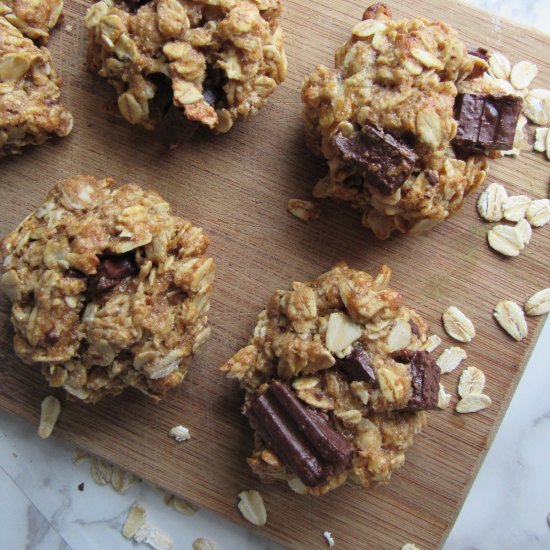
(522, 74)
(499, 65)
(180, 505)
(122, 479)
(473, 402)
(251, 505)
(204, 544)
(409, 546)
(154, 537)
(450, 359)
(490, 202)
(457, 325)
(538, 213)
(180, 433)
(510, 317)
(443, 398)
(136, 519)
(472, 380)
(540, 139)
(523, 228)
(50, 409)
(329, 538)
(101, 471)
(304, 210)
(506, 240)
(536, 106)
(539, 303)
(515, 207)
(433, 342)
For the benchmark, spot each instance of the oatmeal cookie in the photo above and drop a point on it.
(34, 18)
(337, 380)
(188, 60)
(30, 94)
(108, 289)
(388, 119)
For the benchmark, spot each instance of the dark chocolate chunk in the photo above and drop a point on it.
(81, 486)
(357, 366)
(432, 176)
(482, 53)
(486, 122)
(51, 338)
(414, 328)
(300, 436)
(385, 161)
(110, 271)
(424, 379)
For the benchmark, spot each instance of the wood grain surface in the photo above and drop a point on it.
(237, 186)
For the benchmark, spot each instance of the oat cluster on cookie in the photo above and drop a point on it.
(108, 289)
(212, 61)
(384, 120)
(30, 93)
(348, 349)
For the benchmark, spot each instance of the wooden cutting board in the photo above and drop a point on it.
(237, 186)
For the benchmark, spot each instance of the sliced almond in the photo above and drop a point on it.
(510, 317)
(450, 359)
(515, 207)
(251, 506)
(490, 202)
(472, 380)
(473, 402)
(180, 433)
(499, 65)
(539, 303)
(457, 325)
(204, 544)
(341, 332)
(506, 240)
(400, 336)
(49, 413)
(304, 210)
(136, 519)
(540, 139)
(524, 231)
(536, 106)
(538, 213)
(443, 398)
(433, 342)
(522, 74)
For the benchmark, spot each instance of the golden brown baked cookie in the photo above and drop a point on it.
(108, 289)
(188, 60)
(34, 18)
(30, 88)
(385, 120)
(337, 380)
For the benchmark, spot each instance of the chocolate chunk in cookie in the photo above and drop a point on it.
(301, 436)
(385, 161)
(486, 122)
(110, 272)
(424, 379)
(357, 365)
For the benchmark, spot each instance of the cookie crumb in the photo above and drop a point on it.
(180, 433)
(304, 210)
(329, 538)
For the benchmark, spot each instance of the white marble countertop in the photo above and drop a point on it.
(42, 508)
